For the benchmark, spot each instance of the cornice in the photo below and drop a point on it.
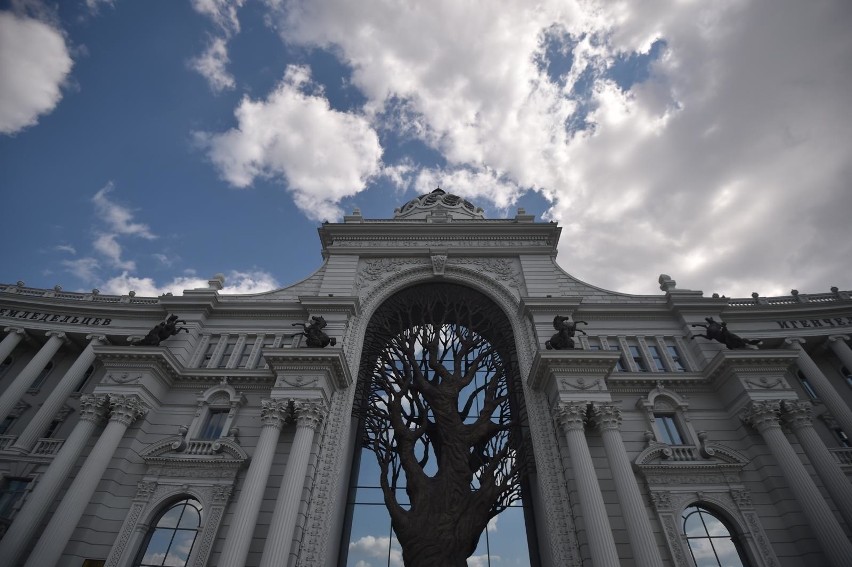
(728, 362)
(566, 362)
(302, 359)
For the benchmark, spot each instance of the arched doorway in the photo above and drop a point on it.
(441, 472)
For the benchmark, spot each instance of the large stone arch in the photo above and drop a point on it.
(557, 536)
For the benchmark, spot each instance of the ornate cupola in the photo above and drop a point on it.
(439, 206)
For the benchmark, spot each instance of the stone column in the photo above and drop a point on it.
(764, 416)
(642, 542)
(40, 422)
(826, 392)
(236, 548)
(798, 415)
(124, 410)
(837, 343)
(24, 380)
(92, 411)
(10, 341)
(276, 551)
(601, 544)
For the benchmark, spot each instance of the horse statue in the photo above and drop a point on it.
(716, 331)
(162, 331)
(314, 335)
(565, 331)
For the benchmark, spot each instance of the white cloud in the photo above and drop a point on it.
(83, 268)
(118, 217)
(95, 5)
(65, 248)
(212, 65)
(378, 547)
(492, 524)
(236, 283)
(34, 65)
(323, 154)
(222, 12)
(744, 107)
(482, 560)
(107, 245)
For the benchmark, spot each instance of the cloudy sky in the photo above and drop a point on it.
(149, 145)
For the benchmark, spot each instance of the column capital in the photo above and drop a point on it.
(58, 334)
(273, 412)
(762, 415)
(309, 413)
(794, 343)
(96, 339)
(15, 330)
(606, 416)
(837, 338)
(797, 413)
(571, 415)
(93, 407)
(126, 409)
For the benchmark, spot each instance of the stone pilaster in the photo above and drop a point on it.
(22, 382)
(764, 417)
(276, 551)
(92, 411)
(607, 417)
(826, 392)
(69, 382)
(236, 548)
(124, 410)
(798, 414)
(571, 417)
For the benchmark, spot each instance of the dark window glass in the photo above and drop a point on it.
(843, 370)
(11, 493)
(637, 358)
(6, 364)
(39, 381)
(226, 356)
(675, 356)
(806, 385)
(667, 428)
(51, 431)
(171, 539)
(842, 438)
(215, 424)
(86, 375)
(6, 424)
(711, 542)
(619, 365)
(657, 357)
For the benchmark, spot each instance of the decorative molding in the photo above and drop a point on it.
(126, 409)
(762, 415)
(94, 407)
(439, 262)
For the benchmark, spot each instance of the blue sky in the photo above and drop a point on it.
(150, 145)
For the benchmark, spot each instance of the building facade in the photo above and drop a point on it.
(233, 443)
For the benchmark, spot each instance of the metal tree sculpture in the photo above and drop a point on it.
(437, 414)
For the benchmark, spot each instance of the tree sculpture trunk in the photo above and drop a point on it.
(437, 409)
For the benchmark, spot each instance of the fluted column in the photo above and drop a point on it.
(124, 410)
(10, 341)
(236, 548)
(837, 343)
(276, 551)
(826, 392)
(798, 414)
(24, 380)
(40, 422)
(571, 416)
(642, 541)
(27, 520)
(764, 416)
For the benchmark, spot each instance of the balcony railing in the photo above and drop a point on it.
(843, 455)
(6, 441)
(47, 446)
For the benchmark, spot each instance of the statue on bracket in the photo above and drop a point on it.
(565, 331)
(314, 335)
(162, 331)
(716, 331)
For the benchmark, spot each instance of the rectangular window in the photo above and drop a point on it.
(619, 365)
(667, 428)
(675, 356)
(6, 424)
(215, 424)
(657, 358)
(244, 357)
(226, 356)
(11, 493)
(54, 427)
(842, 438)
(637, 359)
(806, 385)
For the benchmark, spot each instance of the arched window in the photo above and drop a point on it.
(711, 540)
(170, 540)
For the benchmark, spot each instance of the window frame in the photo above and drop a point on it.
(154, 526)
(42, 377)
(733, 536)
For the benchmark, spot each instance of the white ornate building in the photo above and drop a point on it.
(233, 444)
